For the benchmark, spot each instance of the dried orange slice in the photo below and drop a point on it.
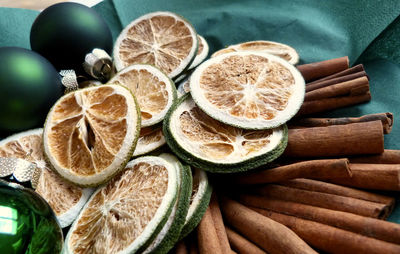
(162, 39)
(205, 143)
(247, 89)
(90, 134)
(274, 48)
(150, 139)
(127, 214)
(65, 199)
(202, 52)
(154, 91)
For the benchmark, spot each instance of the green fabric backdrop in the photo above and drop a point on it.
(366, 31)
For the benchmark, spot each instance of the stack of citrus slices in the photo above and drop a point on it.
(230, 117)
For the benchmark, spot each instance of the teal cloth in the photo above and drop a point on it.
(366, 31)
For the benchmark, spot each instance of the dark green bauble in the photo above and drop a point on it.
(64, 33)
(29, 86)
(27, 223)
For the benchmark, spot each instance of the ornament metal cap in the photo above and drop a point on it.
(98, 64)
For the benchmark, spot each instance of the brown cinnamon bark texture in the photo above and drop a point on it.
(324, 83)
(325, 200)
(208, 241)
(328, 104)
(317, 169)
(241, 244)
(353, 87)
(219, 224)
(270, 235)
(337, 140)
(385, 118)
(321, 69)
(370, 227)
(180, 248)
(319, 186)
(387, 157)
(349, 71)
(332, 239)
(373, 176)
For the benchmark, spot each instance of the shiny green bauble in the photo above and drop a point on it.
(29, 86)
(27, 223)
(64, 33)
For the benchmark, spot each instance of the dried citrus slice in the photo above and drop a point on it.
(202, 52)
(203, 142)
(162, 39)
(199, 200)
(126, 214)
(65, 199)
(90, 134)
(154, 91)
(150, 139)
(183, 87)
(274, 48)
(170, 233)
(250, 90)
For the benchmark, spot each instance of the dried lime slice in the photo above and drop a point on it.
(163, 39)
(274, 48)
(247, 89)
(127, 214)
(202, 52)
(203, 142)
(90, 134)
(150, 139)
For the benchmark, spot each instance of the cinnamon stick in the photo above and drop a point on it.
(324, 83)
(373, 176)
(191, 242)
(318, 186)
(318, 169)
(321, 69)
(385, 118)
(337, 140)
(219, 224)
(353, 87)
(241, 244)
(207, 237)
(325, 200)
(271, 236)
(379, 229)
(349, 71)
(328, 104)
(387, 157)
(332, 239)
(180, 248)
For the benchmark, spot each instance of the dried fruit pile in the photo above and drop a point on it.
(243, 112)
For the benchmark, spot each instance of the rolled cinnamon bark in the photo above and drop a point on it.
(349, 71)
(270, 235)
(379, 229)
(207, 237)
(337, 140)
(373, 176)
(332, 239)
(241, 244)
(353, 87)
(324, 83)
(321, 69)
(328, 104)
(387, 157)
(191, 243)
(319, 186)
(385, 118)
(325, 200)
(180, 248)
(317, 169)
(219, 224)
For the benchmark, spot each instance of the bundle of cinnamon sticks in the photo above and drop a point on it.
(331, 190)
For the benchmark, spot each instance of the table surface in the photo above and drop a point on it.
(42, 4)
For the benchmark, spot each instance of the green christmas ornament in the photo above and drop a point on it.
(29, 86)
(65, 33)
(27, 223)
